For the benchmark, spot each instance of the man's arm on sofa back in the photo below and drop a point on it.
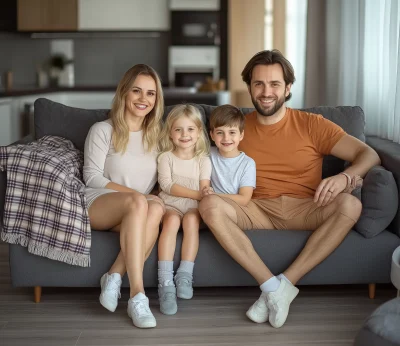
(389, 152)
(3, 179)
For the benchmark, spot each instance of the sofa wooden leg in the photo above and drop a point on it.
(371, 290)
(37, 293)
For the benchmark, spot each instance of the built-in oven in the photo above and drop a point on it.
(189, 66)
(190, 28)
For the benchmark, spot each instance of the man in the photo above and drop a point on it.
(288, 147)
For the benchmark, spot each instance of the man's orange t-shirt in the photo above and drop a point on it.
(289, 154)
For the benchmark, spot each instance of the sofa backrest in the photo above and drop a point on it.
(52, 118)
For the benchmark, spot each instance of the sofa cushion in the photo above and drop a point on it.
(350, 119)
(382, 327)
(52, 118)
(379, 197)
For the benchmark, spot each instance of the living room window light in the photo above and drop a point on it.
(369, 74)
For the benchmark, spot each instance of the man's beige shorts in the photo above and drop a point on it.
(279, 213)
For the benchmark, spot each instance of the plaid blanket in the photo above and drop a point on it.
(45, 207)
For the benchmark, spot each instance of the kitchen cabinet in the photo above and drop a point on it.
(6, 135)
(8, 15)
(123, 15)
(194, 5)
(47, 15)
(93, 15)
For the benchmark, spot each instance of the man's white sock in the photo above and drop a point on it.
(270, 285)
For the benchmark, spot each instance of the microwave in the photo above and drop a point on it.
(190, 28)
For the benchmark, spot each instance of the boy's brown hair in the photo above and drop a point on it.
(227, 115)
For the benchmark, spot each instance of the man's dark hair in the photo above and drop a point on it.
(269, 57)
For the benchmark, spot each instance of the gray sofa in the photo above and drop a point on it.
(358, 260)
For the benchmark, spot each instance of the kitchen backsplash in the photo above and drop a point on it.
(21, 55)
(98, 61)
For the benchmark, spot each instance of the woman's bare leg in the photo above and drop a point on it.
(154, 215)
(130, 211)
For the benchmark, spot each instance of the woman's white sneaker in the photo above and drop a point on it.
(110, 290)
(139, 312)
(258, 312)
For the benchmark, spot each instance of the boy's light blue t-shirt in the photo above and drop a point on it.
(230, 174)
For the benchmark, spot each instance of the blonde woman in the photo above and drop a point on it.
(184, 170)
(120, 171)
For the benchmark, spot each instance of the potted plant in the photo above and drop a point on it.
(61, 71)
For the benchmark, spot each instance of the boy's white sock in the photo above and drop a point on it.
(270, 285)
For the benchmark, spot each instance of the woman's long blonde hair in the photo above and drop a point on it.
(151, 126)
(202, 147)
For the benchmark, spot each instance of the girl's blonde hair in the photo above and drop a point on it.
(202, 147)
(151, 126)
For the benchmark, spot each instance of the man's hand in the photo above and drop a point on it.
(156, 199)
(329, 188)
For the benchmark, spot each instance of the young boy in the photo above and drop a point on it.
(234, 173)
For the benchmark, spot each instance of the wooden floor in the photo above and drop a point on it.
(327, 315)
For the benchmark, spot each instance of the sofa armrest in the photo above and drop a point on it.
(389, 153)
(3, 179)
(25, 140)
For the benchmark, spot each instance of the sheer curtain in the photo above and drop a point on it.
(296, 31)
(369, 72)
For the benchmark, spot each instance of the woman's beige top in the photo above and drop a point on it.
(135, 168)
(188, 173)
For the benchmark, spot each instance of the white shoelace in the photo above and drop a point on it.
(141, 308)
(113, 287)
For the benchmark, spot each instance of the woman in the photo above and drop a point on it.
(121, 156)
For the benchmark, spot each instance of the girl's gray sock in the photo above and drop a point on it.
(186, 266)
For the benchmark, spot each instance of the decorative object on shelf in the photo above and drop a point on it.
(9, 81)
(61, 71)
(42, 77)
(211, 86)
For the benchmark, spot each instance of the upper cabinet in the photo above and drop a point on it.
(93, 15)
(47, 15)
(194, 5)
(8, 15)
(123, 15)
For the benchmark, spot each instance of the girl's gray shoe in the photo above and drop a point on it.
(167, 299)
(184, 285)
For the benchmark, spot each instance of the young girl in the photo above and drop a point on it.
(184, 169)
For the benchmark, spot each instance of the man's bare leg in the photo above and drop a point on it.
(221, 218)
(222, 221)
(338, 219)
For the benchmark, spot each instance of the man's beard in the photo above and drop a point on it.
(267, 113)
